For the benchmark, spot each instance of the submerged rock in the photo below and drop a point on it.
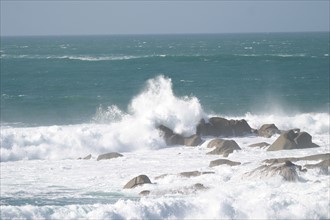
(144, 193)
(223, 162)
(268, 130)
(218, 126)
(292, 139)
(139, 180)
(194, 173)
(223, 147)
(108, 156)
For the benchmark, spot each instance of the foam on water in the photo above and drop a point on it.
(41, 178)
(113, 129)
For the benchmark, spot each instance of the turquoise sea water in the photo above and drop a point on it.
(64, 80)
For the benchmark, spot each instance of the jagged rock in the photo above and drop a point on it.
(225, 148)
(222, 162)
(268, 130)
(261, 145)
(287, 170)
(139, 180)
(144, 193)
(193, 140)
(108, 156)
(218, 126)
(292, 139)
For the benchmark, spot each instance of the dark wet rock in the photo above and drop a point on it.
(225, 147)
(268, 130)
(287, 170)
(144, 193)
(218, 126)
(194, 173)
(223, 162)
(161, 176)
(172, 138)
(215, 142)
(261, 145)
(199, 186)
(292, 139)
(139, 180)
(108, 156)
(193, 140)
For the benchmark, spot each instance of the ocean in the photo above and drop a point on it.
(64, 97)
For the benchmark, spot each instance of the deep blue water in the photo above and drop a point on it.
(63, 80)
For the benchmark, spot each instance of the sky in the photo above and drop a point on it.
(47, 17)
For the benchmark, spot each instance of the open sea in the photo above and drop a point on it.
(64, 97)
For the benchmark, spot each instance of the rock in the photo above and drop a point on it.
(175, 139)
(222, 162)
(139, 180)
(292, 139)
(225, 148)
(261, 145)
(172, 138)
(193, 173)
(108, 156)
(268, 130)
(218, 126)
(193, 140)
(287, 170)
(144, 193)
(215, 142)
(311, 157)
(88, 157)
(199, 186)
(322, 165)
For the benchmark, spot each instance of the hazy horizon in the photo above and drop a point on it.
(71, 18)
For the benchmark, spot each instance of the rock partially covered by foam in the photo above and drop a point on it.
(287, 170)
(268, 130)
(136, 181)
(223, 147)
(218, 126)
(172, 138)
(219, 162)
(292, 139)
(109, 156)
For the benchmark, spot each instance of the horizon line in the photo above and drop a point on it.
(153, 34)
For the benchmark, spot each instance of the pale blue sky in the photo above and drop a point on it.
(159, 17)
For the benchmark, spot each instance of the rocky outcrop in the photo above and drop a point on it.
(292, 139)
(223, 147)
(136, 181)
(108, 156)
(260, 145)
(268, 130)
(223, 162)
(172, 138)
(218, 126)
(287, 170)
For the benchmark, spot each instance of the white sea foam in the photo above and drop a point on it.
(42, 179)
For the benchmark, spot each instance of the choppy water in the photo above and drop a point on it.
(67, 97)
